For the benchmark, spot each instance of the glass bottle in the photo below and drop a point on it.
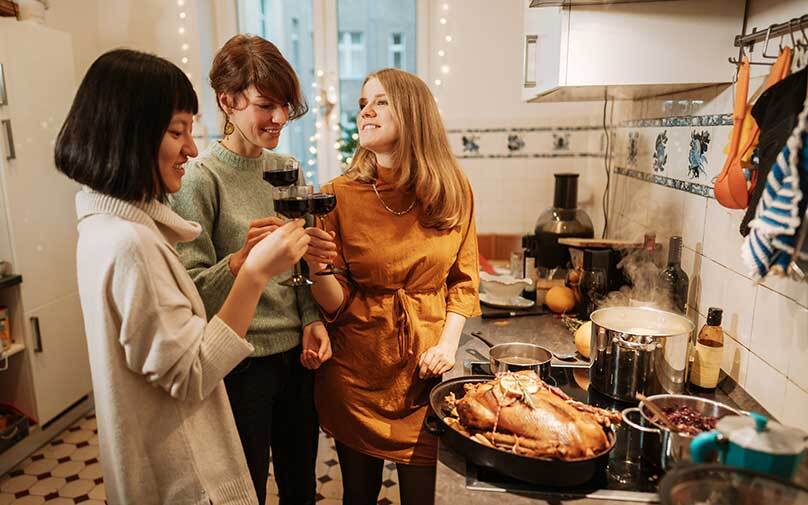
(594, 281)
(673, 281)
(707, 355)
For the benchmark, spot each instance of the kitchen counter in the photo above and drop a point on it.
(549, 332)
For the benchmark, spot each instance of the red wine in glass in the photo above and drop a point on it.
(293, 202)
(281, 172)
(280, 178)
(293, 207)
(323, 203)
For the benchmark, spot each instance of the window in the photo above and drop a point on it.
(295, 37)
(352, 55)
(385, 29)
(396, 53)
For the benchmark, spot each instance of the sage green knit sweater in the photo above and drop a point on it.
(223, 192)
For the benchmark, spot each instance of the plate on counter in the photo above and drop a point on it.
(516, 302)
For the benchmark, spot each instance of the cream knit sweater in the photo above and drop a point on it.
(166, 431)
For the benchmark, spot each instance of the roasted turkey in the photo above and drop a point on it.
(521, 413)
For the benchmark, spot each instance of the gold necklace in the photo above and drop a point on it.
(391, 211)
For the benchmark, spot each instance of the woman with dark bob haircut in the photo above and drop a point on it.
(166, 433)
(271, 392)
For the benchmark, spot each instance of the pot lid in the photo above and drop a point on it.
(758, 433)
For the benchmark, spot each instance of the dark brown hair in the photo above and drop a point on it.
(111, 137)
(247, 60)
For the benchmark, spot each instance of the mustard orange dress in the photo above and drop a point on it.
(403, 280)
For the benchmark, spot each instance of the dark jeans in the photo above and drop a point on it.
(273, 404)
(362, 479)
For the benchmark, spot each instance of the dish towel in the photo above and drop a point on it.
(769, 247)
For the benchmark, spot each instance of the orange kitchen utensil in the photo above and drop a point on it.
(731, 186)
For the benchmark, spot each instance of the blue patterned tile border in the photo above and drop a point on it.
(687, 186)
(525, 129)
(529, 155)
(673, 121)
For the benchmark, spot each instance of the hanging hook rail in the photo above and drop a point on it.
(789, 28)
(774, 31)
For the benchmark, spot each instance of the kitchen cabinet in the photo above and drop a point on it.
(38, 225)
(574, 3)
(627, 50)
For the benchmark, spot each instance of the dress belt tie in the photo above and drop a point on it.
(402, 306)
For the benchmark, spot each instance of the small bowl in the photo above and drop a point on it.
(503, 287)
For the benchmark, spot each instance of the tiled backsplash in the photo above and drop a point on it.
(516, 165)
(527, 142)
(663, 167)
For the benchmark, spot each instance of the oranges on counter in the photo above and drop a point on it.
(560, 299)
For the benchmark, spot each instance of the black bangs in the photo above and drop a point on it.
(185, 99)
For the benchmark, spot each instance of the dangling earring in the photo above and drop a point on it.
(229, 127)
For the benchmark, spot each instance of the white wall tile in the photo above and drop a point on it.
(766, 385)
(796, 407)
(735, 360)
(694, 211)
(776, 325)
(732, 292)
(722, 240)
(789, 288)
(665, 209)
(691, 264)
(798, 357)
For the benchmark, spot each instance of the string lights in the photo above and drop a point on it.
(444, 40)
(184, 46)
(325, 113)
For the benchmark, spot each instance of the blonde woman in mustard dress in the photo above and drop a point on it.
(404, 231)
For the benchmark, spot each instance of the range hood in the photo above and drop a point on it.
(628, 51)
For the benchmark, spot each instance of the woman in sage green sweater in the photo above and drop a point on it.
(271, 391)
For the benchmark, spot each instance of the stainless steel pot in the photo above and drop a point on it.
(661, 444)
(515, 357)
(638, 350)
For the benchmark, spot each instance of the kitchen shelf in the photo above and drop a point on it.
(14, 349)
(579, 3)
(7, 281)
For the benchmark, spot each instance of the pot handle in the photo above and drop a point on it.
(635, 346)
(476, 354)
(624, 414)
(704, 444)
(433, 426)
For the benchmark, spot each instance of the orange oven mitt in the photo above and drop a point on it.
(731, 186)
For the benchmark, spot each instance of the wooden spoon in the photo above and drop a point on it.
(657, 412)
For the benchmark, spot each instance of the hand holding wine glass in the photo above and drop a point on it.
(278, 251)
(259, 228)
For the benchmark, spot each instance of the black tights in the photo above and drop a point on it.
(362, 479)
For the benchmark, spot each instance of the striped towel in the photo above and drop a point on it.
(770, 243)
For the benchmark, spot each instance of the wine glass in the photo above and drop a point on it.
(321, 205)
(294, 202)
(281, 173)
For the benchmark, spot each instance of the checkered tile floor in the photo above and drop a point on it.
(67, 471)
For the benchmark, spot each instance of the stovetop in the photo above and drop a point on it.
(627, 477)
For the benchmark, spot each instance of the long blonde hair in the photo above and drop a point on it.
(426, 165)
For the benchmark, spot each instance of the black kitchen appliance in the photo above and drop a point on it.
(563, 219)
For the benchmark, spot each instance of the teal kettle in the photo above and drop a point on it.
(753, 442)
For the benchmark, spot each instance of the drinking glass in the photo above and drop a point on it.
(281, 173)
(294, 202)
(321, 205)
